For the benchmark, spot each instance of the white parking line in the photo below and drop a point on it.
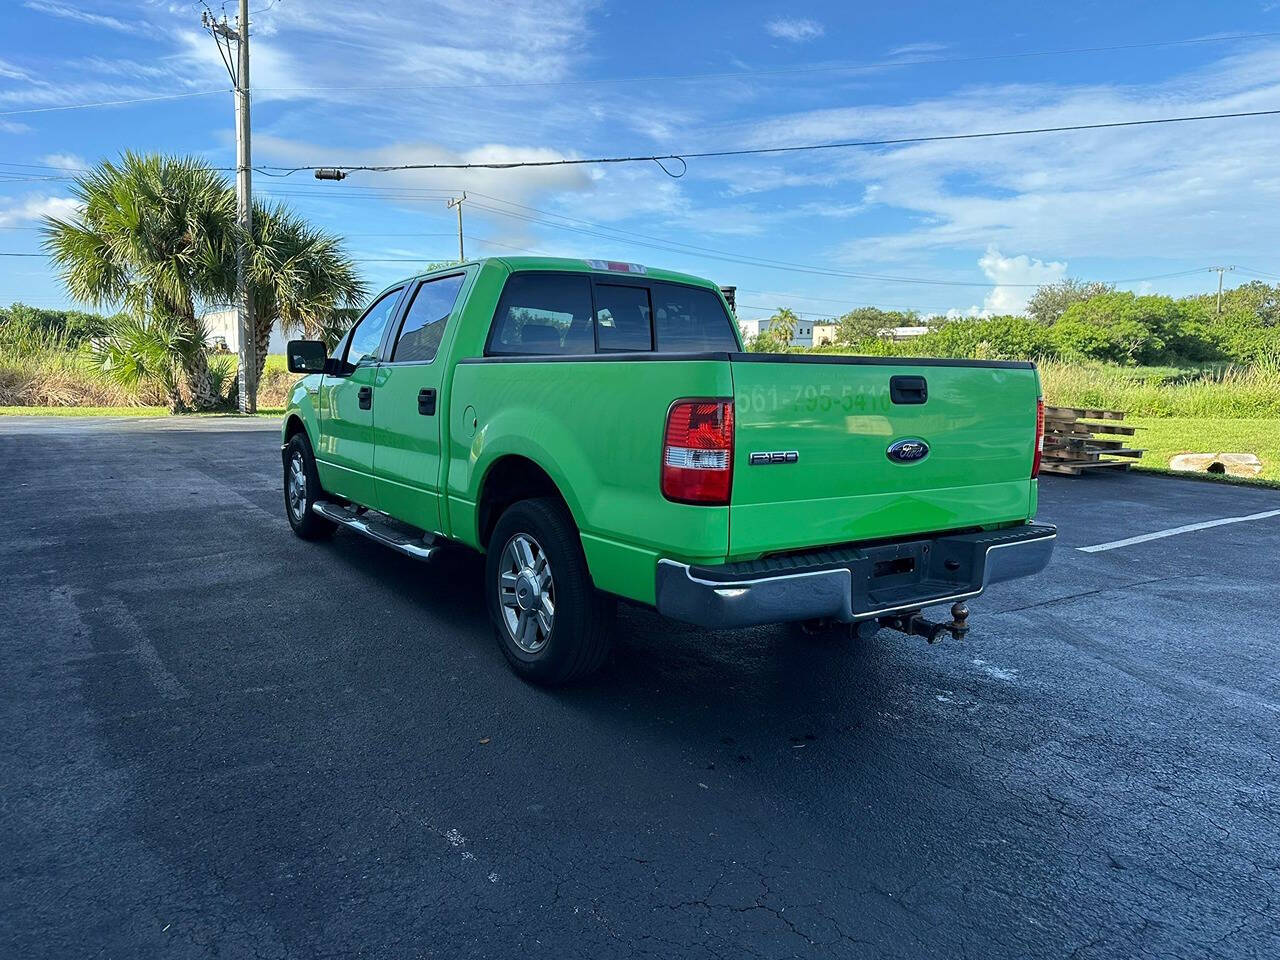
(1174, 531)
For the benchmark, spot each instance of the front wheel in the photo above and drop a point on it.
(549, 620)
(302, 490)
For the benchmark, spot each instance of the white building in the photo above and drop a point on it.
(801, 336)
(221, 328)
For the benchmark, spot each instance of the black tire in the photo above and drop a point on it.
(579, 639)
(305, 522)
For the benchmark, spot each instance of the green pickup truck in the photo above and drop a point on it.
(596, 429)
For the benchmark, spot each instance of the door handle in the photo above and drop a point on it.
(908, 389)
(427, 401)
(365, 396)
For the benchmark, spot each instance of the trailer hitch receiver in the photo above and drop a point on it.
(915, 625)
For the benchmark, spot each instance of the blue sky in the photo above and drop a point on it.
(403, 81)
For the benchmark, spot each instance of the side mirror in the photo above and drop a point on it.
(306, 356)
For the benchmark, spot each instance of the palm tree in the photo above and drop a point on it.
(299, 275)
(776, 333)
(156, 235)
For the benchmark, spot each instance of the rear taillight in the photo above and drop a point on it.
(697, 452)
(1035, 463)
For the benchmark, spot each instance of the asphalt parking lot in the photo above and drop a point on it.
(219, 740)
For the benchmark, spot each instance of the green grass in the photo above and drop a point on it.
(1210, 393)
(83, 412)
(142, 412)
(1165, 437)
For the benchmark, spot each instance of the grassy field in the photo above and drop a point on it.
(1165, 437)
(52, 377)
(1210, 393)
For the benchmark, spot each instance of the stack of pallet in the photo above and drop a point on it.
(1072, 447)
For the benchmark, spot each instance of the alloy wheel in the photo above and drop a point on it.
(526, 591)
(297, 487)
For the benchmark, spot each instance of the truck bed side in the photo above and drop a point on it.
(595, 425)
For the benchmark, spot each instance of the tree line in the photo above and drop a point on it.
(1072, 320)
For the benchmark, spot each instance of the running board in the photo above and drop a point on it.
(384, 533)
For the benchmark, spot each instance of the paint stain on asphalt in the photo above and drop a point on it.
(996, 673)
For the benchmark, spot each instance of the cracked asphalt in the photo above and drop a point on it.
(221, 741)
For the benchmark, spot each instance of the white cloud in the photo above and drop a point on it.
(1006, 272)
(33, 208)
(1179, 192)
(11, 71)
(908, 49)
(794, 30)
(65, 161)
(68, 12)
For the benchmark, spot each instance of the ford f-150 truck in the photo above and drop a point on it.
(596, 430)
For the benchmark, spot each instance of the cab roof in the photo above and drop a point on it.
(584, 265)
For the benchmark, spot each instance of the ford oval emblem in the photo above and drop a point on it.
(908, 450)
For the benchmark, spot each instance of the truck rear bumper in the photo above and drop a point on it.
(852, 583)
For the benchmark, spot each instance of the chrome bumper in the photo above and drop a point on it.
(855, 583)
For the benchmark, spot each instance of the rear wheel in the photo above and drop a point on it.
(302, 490)
(550, 621)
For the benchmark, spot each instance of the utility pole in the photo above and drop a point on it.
(1220, 271)
(457, 202)
(238, 68)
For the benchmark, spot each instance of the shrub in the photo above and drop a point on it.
(869, 323)
(1247, 344)
(1050, 301)
(54, 376)
(27, 328)
(1119, 327)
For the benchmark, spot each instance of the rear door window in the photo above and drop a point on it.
(425, 319)
(543, 314)
(624, 318)
(691, 320)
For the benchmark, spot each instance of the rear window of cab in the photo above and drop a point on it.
(563, 314)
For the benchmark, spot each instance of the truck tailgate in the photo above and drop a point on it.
(812, 438)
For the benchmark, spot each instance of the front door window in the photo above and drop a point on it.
(367, 335)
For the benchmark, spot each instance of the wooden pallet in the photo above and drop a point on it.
(1078, 467)
(1070, 447)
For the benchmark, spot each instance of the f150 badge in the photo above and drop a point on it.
(907, 450)
(764, 459)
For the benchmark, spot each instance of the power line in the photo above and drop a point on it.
(762, 261)
(785, 71)
(1259, 273)
(682, 158)
(673, 246)
(615, 234)
(619, 235)
(111, 103)
(798, 313)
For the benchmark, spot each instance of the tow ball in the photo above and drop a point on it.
(915, 625)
